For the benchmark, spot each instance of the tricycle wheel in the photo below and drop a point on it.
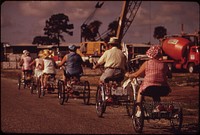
(86, 93)
(176, 120)
(138, 121)
(100, 102)
(61, 92)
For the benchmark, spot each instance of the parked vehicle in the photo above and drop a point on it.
(182, 52)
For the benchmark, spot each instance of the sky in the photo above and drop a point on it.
(21, 21)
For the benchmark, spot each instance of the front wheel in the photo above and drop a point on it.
(100, 101)
(39, 89)
(19, 81)
(130, 100)
(191, 68)
(86, 93)
(138, 121)
(32, 87)
(61, 92)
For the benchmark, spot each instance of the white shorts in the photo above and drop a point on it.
(38, 73)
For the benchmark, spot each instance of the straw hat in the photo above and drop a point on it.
(47, 53)
(154, 51)
(113, 40)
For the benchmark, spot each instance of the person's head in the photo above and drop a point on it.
(72, 48)
(154, 52)
(40, 54)
(113, 41)
(27, 53)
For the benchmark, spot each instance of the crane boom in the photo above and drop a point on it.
(128, 13)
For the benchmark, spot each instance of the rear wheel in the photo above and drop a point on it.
(138, 121)
(86, 93)
(177, 120)
(100, 102)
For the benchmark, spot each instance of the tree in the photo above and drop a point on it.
(56, 25)
(42, 40)
(90, 32)
(159, 32)
(111, 31)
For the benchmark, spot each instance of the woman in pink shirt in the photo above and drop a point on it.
(155, 73)
(25, 61)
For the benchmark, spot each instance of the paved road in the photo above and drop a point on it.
(22, 112)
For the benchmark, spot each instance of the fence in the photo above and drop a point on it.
(12, 62)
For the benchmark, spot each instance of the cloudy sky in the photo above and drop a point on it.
(21, 21)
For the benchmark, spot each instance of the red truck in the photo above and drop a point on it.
(182, 52)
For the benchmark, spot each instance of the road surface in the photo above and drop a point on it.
(22, 112)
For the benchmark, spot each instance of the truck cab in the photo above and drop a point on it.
(91, 51)
(193, 58)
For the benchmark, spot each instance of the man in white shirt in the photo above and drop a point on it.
(114, 61)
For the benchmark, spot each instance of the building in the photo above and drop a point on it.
(11, 53)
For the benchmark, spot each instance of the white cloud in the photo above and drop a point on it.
(37, 8)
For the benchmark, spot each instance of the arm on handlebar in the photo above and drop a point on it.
(139, 72)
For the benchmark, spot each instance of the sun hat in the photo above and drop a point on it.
(72, 47)
(47, 53)
(154, 51)
(113, 40)
(51, 53)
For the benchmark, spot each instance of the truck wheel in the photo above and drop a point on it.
(170, 66)
(191, 68)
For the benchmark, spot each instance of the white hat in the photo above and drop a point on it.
(113, 40)
(25, 51)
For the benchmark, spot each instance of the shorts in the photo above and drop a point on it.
(38, 73)
(68, 75)
(109, 73)
(28, 71)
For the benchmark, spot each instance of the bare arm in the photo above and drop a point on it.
(32, 63)
(137, 73)
(63, 61)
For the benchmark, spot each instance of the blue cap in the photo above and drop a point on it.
(72, 47)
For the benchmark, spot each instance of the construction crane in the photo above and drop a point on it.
(84, 26)
(97, 47)
(128, 13)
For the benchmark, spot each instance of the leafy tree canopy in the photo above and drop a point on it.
(159, 32)
(56, 25)
(91, 31)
